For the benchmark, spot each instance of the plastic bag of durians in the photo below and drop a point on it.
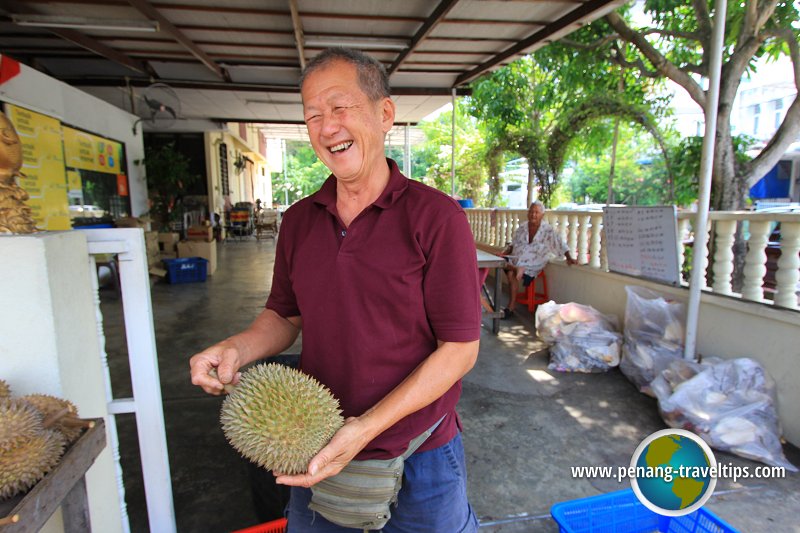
(34, 431)
(729, 403)
(582, 339)
(654, 335)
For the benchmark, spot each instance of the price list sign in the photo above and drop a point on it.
(643, 242)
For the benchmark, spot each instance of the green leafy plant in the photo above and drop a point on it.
(168, 180)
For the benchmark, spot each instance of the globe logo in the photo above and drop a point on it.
(673, 472)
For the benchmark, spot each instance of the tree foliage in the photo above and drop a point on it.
(537, 106)
(168, 181)
(677, 45)
(472, 169)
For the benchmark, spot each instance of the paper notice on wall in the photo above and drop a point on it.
(642, 241)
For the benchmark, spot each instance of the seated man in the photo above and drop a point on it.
(532, 246)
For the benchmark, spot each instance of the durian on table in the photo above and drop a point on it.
(279, 417)
(34, 431)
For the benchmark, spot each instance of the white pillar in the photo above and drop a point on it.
(755, 262)
(788, 275)
(723, 256)
(594, 250)
(706, 166)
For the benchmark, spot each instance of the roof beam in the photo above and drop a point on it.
(438, 14)
(100, 49)
(551, 28)
(299, 39)
(83, 81)
(166, 26)
(84, 41)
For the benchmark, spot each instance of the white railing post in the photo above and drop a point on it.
(704, 255)
(594, 250)
(683, 233)
(583, 240)
(573, 235)
(723, 256)
(562, 227)
(128, 244)
(755, 266)
(787, 276)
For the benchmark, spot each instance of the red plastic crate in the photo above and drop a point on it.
(275, 526)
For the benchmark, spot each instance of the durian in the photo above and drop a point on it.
(59, 414)
(279, 417)
(24, 465)
(5, 390)
(19, 421)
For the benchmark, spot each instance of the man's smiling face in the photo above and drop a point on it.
(346, 128)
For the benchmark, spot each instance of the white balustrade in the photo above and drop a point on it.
(594, 249)
(683, 235)
(723, 256)
(787, 276)
(755, 263)
(573, 235)
(582, 231)
(583, 240)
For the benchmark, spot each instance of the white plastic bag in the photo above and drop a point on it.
(582, 338)
(729, 403)
(654, 336)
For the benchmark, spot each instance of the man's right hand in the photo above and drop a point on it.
(223, 356)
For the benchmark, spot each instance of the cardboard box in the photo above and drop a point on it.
(200, 233)
(152, 248)
(168, 241)
(206, 250)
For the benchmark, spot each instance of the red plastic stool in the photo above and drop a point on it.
(530, 297)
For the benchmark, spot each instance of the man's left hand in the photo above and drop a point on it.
(343, 447)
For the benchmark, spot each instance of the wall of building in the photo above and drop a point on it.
(50, 344)
(38, 92)
(252, 182)
(727, 328)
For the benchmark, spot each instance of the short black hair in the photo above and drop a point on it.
(372, 77)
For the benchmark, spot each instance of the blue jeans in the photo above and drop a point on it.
(433, 498)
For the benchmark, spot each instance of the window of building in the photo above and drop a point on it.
(223, 169)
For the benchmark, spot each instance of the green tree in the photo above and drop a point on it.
(537, 106)
(168, 180)
(436, 154)
(677, 45)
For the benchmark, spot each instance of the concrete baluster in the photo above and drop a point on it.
(723, 257)
(583, 240)
(788, 275)
(594, 249)
(573, 235)
(755, 266)
(562, 227)
(683, 233)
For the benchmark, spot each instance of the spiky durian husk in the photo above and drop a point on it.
(279, 417)
(18, 421)
(5, 390)
(50, 405)
(24, 465)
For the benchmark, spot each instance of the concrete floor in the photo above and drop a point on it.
(524, 426)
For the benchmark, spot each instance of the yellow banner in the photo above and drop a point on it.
(43, 166)
(85, 151)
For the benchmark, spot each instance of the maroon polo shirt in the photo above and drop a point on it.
(375, 297)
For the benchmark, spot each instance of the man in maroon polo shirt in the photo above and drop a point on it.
(379, 272)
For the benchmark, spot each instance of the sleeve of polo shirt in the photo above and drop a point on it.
(281, 296)
(451, 287)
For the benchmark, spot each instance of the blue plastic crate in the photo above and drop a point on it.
(186, 269)
(622, 512)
